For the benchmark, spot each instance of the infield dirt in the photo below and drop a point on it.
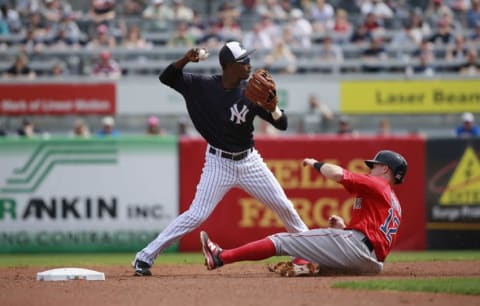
(236, 284)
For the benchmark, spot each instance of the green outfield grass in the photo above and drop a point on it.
(468, 286)
(87, 259)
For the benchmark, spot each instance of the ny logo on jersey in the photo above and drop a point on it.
(240, 115)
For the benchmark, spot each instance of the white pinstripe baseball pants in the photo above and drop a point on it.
(219, 175)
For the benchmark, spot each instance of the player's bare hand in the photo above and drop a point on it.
(196, 54)
(309, 162)
(336, 222)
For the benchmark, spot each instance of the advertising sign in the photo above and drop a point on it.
(453, 193)
(239, 218)
(410, 97)
(85, 195)
(57, 99)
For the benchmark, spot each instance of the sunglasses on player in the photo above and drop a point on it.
(244, 61)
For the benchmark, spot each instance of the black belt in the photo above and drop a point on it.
(232, 156)
(368, 244)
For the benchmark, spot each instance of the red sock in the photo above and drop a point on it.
(257, 250)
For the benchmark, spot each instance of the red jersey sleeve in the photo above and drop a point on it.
(376, 211)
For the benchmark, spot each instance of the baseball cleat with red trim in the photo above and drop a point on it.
(211, 251)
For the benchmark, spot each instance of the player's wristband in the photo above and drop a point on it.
(318, 166)
(277, 113)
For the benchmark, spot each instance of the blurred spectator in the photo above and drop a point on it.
(424, 67)
(3, 132)
(11, 19)
(134, 39)
(372, 24)
(27, 129)
(420, 29)
(102, 11)
(473, 15)
(160, 13)
(374, 55)
(212, 39)
(106, 67)
(80, 129)
(318, 117)
(197, 26)
(272, 9)
(257, 38)
(383, 127)
(269, 27)
(181, 12)
(472, 66)
(133, 7)
(228, 10)
(58, 70)
(405, 38)
(153, 126)
(344, 127)
(425, 50)
(53, 10)
(437, 10)
(468, 128)
(377, 8)
(181, 37)
(20, 69)
(321, 15)
(458, 51)
(230, 29)
(69, 24)
(37, 24)
(360, 35)
(443, 35)
(31, 43)
(281, 59)
(330, 52)
(459, 6)
(108, 128)
(102, 38)
(475, 36)
(342, 29)
(61, 40)
(301, 28)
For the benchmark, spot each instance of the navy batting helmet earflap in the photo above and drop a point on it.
(393, 160)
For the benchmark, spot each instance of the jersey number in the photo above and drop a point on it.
(390, 226)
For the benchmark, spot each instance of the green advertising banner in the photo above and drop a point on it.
(86, 195)
(453, 193)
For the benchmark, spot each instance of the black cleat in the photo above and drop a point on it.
(142, 268)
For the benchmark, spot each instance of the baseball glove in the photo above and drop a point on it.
(289, 269)
(261, 90)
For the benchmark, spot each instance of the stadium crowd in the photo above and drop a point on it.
(57, 37)
(127, 38)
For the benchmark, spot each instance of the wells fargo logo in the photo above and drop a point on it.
(314, 208)
(464, 185)
(49, 155)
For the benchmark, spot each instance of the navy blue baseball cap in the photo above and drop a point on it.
(233, 52)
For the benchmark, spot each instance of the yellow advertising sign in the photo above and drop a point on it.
(464, 185)
(410, 96)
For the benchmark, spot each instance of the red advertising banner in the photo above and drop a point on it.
(239, 218)
(57, 99)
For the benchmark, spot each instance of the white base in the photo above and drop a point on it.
(63, 274)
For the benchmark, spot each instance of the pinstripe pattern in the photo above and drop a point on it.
(219, 175)
(331, 248)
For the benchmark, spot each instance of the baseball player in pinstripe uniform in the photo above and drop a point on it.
(359, 247)
(224, 117)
